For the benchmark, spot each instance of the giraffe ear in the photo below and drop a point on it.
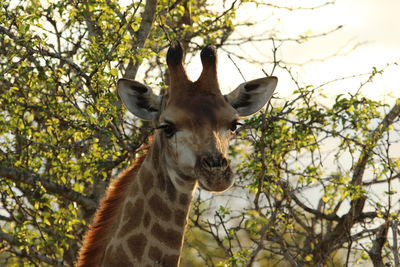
(139, 99)
(249, 97)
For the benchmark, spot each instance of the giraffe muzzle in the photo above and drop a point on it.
(214, 173)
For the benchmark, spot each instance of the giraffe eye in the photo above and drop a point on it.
(168, 129)
(234, 125)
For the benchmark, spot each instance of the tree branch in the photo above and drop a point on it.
(356, 206)
(44, 52)
(141, 36)
(376, 181)
(375, 253)
(389, 119)
(296, 8)
(395, 228)
(33, 179)
(13, 241)
(317, 213)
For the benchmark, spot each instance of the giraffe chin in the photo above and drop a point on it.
(216, 179)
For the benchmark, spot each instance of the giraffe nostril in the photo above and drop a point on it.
(210, 162)
(206, 163)
(224, 162)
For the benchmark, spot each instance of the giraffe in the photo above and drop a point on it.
(142, 218)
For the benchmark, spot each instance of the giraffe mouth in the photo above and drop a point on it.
(215, 179)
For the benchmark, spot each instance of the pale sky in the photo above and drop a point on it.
(373, 23)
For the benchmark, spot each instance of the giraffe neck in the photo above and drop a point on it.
(149, 220)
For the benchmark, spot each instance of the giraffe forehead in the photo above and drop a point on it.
(199, 111)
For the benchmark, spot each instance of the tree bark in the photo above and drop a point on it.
(141, 36)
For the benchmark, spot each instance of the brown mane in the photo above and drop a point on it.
(94, 240)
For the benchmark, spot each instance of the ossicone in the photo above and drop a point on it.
(209, 76)
(209, 56)
(175, 54)
(178, 80)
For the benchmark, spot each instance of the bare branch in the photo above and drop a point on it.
(234, 63)
(296, 8)
(300, 39)
(376, 181)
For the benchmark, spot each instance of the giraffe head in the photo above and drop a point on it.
(194, 120)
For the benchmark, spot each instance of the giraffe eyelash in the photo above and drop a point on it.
(168, 128)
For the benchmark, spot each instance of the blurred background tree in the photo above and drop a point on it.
(317, 179)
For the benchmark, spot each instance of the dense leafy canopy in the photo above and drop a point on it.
(316, 182)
